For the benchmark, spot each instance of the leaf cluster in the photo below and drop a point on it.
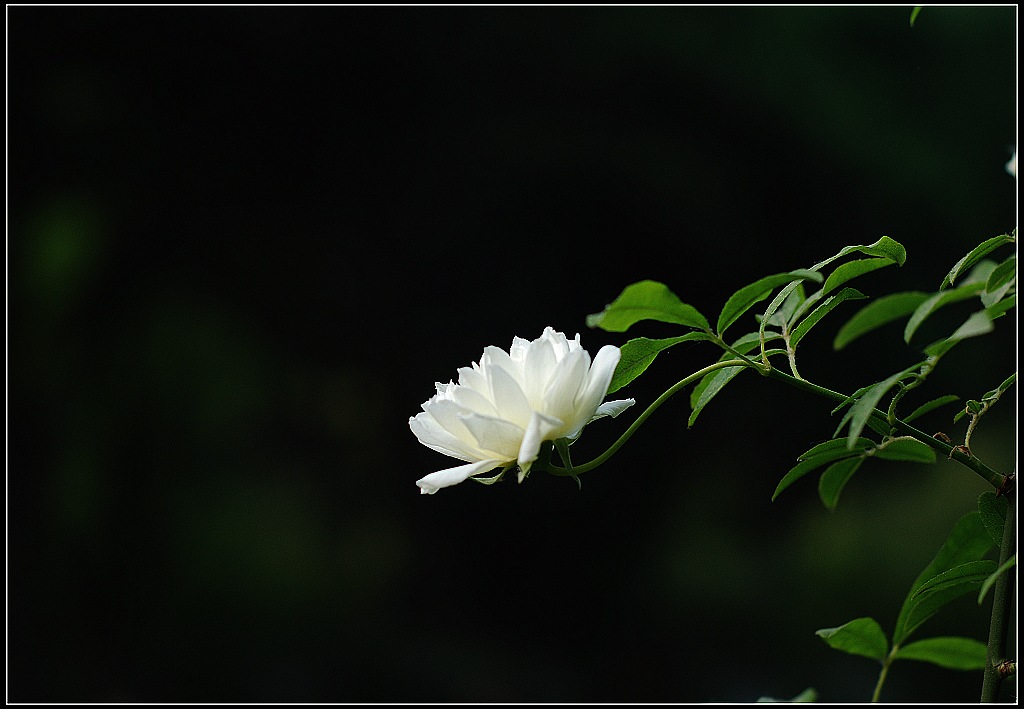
(959, 568)
(797, 301)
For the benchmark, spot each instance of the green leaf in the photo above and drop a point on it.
(1000, 281)
(937, 301)
(885, 247)
(1002, 307)
(907, 449)
(971, 573)
(819, 456)
(638, 354)
(862, 636)
(994, 394)
(808, 695)
(992, 509)
(714, 381)
(942, 589)
(709, 386)
(864, 407)
(933, 404)
(745, 298)
(973, 256)
(914, 13)
(853, 269)
(953, 653)
(987, 584)
(834, 479)
(978, 324)
(646, 300)
(967, 542)
(785, 303)
(838, 446)
(821, 311)
(879, 312)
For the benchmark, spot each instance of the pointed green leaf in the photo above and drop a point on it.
(907, 449)
(942, 589)
(834, 479)
(933, 404)
(967, 542)
(936, 301)
(646, 300)
(785, 303)
(864, 407)
(978, 324)
(885, 247)
(992, 509)
(838, 446)
(1002, 307)
(914, 13)
(953, 653)
(969, 573)
(821, 311)
(638, 354)
(852, 269)
(714, 384)
(994, 394)
(879, 312)
(1005, 272)
(745, 298)
(973, 256)
(819, 456)
(987, 584)
(862, 636)
(1000, 281)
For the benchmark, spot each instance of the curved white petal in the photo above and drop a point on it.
(538, 365)
(474, 401)
(473, 378)
(568, 379)
(497, 357)
(453, 476)
(430, 434)
(508, 397)
(538, 431)
(590, 396)
(612, 408)
(495, 437)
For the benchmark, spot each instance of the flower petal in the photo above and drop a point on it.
(433, 436)
(538, 365)
(495, 437)
(539, 430)
(612, 408)
(568, 379)
(453, 476)
(596, 388)
(507, 394)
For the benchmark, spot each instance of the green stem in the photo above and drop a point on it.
(881, 676)
(994, 478)
(578, 469)
(999, 624)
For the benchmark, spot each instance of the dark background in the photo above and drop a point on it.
(244, 242)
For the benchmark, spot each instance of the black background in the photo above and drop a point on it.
(243, 242)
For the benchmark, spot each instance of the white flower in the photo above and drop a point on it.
(503, 408)
(1011, 166)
